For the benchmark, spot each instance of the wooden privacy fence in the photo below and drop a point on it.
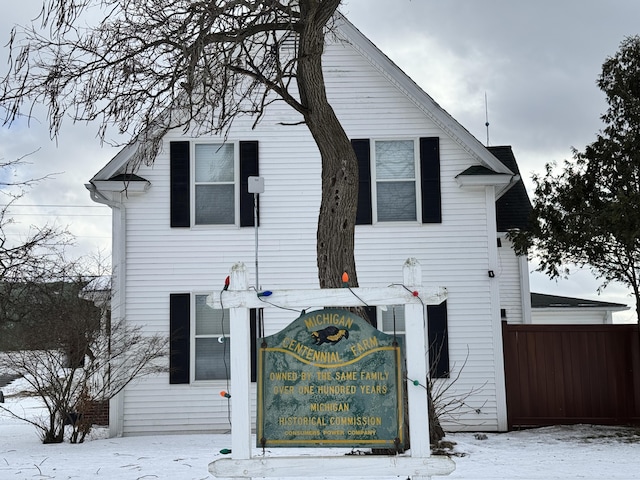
(567, 374)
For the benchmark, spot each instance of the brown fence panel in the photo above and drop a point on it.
(566, 374)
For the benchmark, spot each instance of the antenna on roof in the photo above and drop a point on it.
(486, 115)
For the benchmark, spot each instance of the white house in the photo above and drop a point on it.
(171, 248)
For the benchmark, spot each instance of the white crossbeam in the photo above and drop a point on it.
(344, 297)
(344, 466)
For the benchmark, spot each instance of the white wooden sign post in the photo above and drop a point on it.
(417, 464)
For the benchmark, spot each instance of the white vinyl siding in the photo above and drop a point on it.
(509, 276)
(570, 316)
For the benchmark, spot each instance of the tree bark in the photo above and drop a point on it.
(336, 221)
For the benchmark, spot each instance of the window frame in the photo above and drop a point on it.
(381, 318)
(416, 180)
(236, 184)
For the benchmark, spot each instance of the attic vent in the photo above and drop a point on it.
(289, 42)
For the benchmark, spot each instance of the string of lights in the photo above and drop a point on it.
(264, 295)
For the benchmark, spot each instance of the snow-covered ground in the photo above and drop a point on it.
(580, 452)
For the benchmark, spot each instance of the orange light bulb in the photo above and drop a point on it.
(345, 277)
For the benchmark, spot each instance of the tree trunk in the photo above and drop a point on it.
(336, 221)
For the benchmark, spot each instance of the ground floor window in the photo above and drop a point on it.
(200, 342)
(392, 321)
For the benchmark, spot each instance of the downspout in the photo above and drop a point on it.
(118, 292)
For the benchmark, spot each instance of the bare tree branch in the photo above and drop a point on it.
(144, 67)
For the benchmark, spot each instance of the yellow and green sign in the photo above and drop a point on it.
(330, 379)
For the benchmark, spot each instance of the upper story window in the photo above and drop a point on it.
(395, 186)
(208, 183)
(399, 180)
(215, 184)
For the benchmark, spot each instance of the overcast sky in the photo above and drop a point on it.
(536, 63)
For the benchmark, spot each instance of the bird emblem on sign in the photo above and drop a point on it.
(330, 335)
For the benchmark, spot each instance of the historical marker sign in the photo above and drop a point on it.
(330, 379)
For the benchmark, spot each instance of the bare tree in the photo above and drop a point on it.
(54, 336)
(35, 254)
(73, 357)
(148, 66)
(112, 360)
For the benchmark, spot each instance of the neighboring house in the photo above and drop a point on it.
(183, 222)
(553, 309)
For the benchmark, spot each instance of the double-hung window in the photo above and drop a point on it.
(395, 172)
(211, 342)
(199, 340)
(215, 184)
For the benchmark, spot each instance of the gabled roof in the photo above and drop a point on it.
(129, 182)
(541, 300)
(127, 177)
(513, 208)
(418, 96)
(479, 175)
(349, 33)
(117, 164)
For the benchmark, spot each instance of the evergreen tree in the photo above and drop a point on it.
(589, 214)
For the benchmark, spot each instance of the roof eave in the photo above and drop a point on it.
(500, 180)
(119, 186)
(117, 163)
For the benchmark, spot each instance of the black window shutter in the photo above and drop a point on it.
(438, 340)
(248, 168)
(372, 314)
(430, 181)
(179, 337)
(180, 184)
(363, 154)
